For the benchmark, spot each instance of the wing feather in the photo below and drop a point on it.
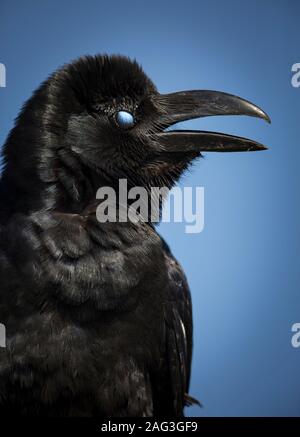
(179, 331)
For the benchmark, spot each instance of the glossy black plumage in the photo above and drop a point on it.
(90, 315)
(98, 316)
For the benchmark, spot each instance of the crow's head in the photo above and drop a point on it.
(100, 119)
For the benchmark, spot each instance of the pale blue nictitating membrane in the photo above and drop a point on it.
(125, 119)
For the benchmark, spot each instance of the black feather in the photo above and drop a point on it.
(98, 316)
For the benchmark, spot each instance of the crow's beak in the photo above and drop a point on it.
(186, 105)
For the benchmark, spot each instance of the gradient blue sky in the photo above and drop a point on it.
(243, 268)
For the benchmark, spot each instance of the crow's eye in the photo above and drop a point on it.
(125, 119)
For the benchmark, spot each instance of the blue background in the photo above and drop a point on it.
(243, 268)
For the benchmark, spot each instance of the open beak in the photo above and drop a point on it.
(186, 105)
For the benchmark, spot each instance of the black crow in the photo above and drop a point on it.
(98, 315)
